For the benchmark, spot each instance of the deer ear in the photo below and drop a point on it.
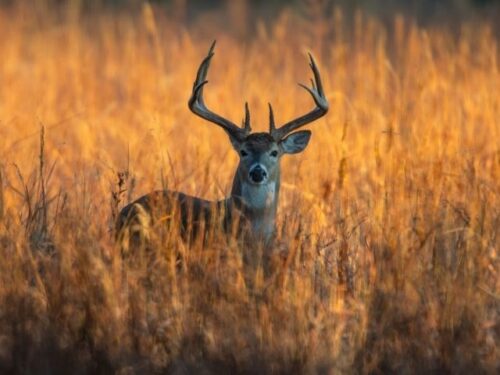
(296, 142)
(235, 142)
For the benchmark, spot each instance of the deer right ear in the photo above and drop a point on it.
(295, 142)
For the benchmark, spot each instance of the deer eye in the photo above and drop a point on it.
(274, 153)
(243, 153)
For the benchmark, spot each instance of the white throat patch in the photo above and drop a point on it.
(258, 196)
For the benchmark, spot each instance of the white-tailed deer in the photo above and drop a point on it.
(250, 210)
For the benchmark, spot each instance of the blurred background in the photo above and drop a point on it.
(228, 13)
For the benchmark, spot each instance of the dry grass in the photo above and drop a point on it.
(390, 219)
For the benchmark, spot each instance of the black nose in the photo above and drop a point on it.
(257, 174)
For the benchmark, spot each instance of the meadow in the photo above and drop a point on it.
(389, 221)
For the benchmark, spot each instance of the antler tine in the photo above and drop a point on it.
(246, 121)
(197, 104)
(320, 110)
(272, 125)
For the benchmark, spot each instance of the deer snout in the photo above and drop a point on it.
(258, 174)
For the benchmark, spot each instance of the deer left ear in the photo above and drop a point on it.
(234, 142)
(296, 142)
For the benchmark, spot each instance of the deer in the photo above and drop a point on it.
(251, 208)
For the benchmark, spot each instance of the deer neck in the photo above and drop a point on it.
(257, 203)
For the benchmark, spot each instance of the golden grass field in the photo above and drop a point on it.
(390, 219)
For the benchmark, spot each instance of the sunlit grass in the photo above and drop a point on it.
(389, 222)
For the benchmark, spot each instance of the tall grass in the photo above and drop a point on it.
(388, 256)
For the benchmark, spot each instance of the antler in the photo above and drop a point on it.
(197, 104)
(321, 107)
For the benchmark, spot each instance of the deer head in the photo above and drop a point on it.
(260, 153)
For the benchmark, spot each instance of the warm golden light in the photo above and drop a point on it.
(388, 222)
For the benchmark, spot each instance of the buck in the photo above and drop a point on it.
(251, 208)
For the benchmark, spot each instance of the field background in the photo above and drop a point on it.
(389, 222)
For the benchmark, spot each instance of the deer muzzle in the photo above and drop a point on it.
(258, 174)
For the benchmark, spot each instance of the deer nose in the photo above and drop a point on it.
(258, 174)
